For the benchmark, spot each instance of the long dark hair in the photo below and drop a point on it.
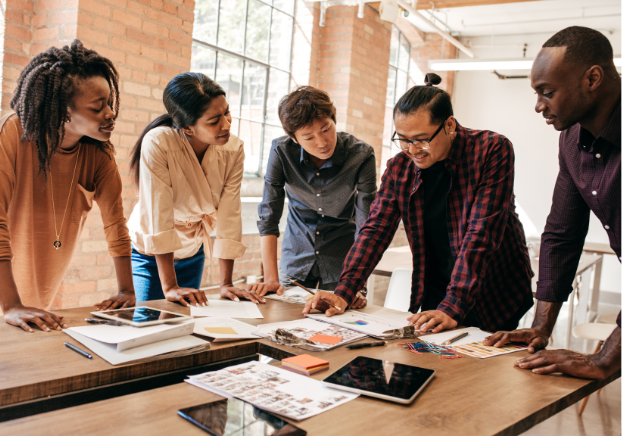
(186, 98)
(45, 89)
(436, 100)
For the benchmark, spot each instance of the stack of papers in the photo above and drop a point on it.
(273, 389)
(123, 344)
(228, 309)
(304, 364)
(472, 345)
(293, 295)
(324, 336)
(371, 325)
(223, 329)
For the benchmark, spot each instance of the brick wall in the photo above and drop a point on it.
(150, 42)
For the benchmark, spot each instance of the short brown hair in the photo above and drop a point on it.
(303, 106)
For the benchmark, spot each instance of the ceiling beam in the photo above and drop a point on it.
(441, 4)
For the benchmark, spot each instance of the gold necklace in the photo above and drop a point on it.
(57, 243)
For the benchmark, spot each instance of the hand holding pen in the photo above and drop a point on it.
(326, 302)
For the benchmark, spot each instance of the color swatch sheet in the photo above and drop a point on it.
(228, 309)
(273, 389)
(362, 322)
(308, 328)
(223, 329)
(472, 344)
(293, 295)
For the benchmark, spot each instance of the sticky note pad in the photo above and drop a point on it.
(221, 330)
(305, 361)
(326, 339)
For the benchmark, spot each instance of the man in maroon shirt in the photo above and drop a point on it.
(578, 91)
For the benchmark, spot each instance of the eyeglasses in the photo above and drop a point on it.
(421, 144)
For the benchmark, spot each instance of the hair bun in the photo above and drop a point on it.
(432, 79)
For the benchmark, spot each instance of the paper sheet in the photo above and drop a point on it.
(306, 328)
(293, 295)
(109, 353)
(472, 344)
(273, 389)
(224, 329)
(371, 325)
(126, 337)
(228, 309)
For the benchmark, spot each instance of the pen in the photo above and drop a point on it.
(102, 321)
(367, 345)
(313, 293)
(455, 338)
(77, 350)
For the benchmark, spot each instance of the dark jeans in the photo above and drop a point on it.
(146, 279)
(433, 296)
(311, 281)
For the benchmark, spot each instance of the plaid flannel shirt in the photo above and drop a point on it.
(492, 272)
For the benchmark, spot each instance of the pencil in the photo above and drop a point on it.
(313, 293)
(455, 338)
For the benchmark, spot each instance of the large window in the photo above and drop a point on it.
(397, 85)
(245, 46)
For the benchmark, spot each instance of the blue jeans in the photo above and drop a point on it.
(146, 279)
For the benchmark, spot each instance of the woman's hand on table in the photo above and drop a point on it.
(320, 302)
(20, 316)
(186, 296)
(120, 301)
(262, 289)
(233, 293)
(433, 320)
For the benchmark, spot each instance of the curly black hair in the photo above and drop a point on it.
(45, 89)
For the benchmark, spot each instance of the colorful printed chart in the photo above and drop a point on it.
(371, 325)
(479, 350)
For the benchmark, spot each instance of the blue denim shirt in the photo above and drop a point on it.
(327, 206)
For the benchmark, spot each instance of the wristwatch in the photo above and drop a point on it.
(364, 291)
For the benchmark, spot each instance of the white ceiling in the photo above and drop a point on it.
(547, 16)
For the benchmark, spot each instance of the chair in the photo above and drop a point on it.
(595, 332)
(398, 294)
(607, 318)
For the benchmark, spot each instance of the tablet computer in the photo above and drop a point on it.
(381, 379)
(142, 316)
(233, 417)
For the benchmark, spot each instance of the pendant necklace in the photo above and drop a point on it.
(57, 243)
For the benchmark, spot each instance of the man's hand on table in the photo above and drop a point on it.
(320, 302)
(564, 361)
(359, 301)
(435, 320)
(120, 301)
(262, 289)
(536, 339)
(20, 316)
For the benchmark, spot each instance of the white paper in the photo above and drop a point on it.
(475, 335)
(293, 295)
(228, 309)
(307, 328)
(362, 322)
(273, 389)
(126, 337)
(243, 330)
(109, 352)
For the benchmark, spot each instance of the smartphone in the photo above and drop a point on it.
(233, 417)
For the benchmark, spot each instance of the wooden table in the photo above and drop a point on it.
(468, 396)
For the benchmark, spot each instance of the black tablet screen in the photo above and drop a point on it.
(381, 377)
(142, 314)
(234, 417)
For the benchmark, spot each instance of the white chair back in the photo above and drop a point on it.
(398, 294)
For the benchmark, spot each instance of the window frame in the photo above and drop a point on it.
(245, 59)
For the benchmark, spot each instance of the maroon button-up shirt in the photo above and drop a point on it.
(589, 179)
(492, 274)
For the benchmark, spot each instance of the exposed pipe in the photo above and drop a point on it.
(361, 13)
(438, 30)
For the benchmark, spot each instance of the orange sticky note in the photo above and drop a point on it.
(305, 361)
(326, 339)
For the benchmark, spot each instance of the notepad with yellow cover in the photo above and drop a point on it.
(304, 364)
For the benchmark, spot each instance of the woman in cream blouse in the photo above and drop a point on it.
(188, 168)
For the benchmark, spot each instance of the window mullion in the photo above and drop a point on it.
(245, 27)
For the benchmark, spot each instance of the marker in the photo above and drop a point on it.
(77, 350)
(455, 338)
(367, 345)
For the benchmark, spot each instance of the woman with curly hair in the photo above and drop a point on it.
(55, 159)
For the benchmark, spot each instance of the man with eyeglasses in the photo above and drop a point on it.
(453, 189)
